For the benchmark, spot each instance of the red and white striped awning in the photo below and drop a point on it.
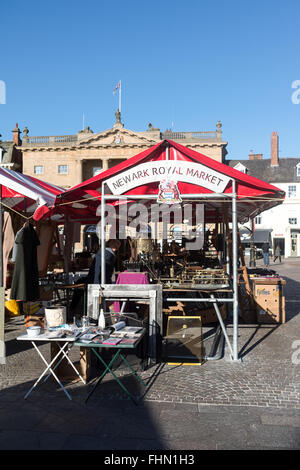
(83, 200)
(26, 193)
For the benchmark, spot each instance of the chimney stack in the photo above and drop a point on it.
(255, 156)
(274, 149)
(16, 135)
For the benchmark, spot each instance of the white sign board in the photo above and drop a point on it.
(174, 170)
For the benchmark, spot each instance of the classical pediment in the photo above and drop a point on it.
(116, 136)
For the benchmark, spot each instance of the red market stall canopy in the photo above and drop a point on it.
(24, 193)
(192, 173)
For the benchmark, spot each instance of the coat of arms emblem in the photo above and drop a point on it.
(168, 192)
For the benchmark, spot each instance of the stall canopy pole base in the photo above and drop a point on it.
(222, 324)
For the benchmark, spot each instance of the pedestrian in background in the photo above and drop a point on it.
(265, 249)
(277, 254)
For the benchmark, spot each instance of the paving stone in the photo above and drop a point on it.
(280, 420)
(273, 437)
(254, 403)
(21, 440)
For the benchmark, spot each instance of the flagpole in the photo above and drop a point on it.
(120, 92)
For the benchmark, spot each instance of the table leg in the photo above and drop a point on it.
(108, 369)
(45, 371)
(132, 370)
(64, 355)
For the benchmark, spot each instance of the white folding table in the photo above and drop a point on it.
(64, 345)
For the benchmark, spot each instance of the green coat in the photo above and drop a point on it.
(25, 281)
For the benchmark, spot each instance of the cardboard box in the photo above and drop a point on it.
(269, 299)
(209, 315)
(83, 365)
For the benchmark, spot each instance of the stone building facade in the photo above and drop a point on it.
(10, 153)
(67, 160)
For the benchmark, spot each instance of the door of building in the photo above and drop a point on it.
(295, 242)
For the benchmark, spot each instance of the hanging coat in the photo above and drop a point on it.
(25, 281)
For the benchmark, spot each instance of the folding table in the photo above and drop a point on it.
(108, 367)
(64, 345)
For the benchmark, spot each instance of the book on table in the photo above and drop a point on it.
(128, 332)
(128, 340)
(111, 341)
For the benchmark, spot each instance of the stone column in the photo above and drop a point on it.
(105, 164)
(78, 175)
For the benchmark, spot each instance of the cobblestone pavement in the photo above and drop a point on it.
(250, 404)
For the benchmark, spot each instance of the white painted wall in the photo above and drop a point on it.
(277, 218)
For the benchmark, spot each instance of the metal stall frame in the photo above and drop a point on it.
(148, 293)
(233, 348)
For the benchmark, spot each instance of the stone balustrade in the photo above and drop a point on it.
(192, 136)
(49, 140)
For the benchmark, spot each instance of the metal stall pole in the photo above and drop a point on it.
(235, 272)
(102, 234)
(252, 262)
(67, 248)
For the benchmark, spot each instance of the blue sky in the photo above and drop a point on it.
(188, 63)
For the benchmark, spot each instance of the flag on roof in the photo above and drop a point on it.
(117, 86)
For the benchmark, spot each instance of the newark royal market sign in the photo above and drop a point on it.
(171, 170)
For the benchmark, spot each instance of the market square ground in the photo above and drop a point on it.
(251, 404)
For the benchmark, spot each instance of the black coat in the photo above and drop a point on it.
(94, 275)
(265, 247)
(25, 281)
